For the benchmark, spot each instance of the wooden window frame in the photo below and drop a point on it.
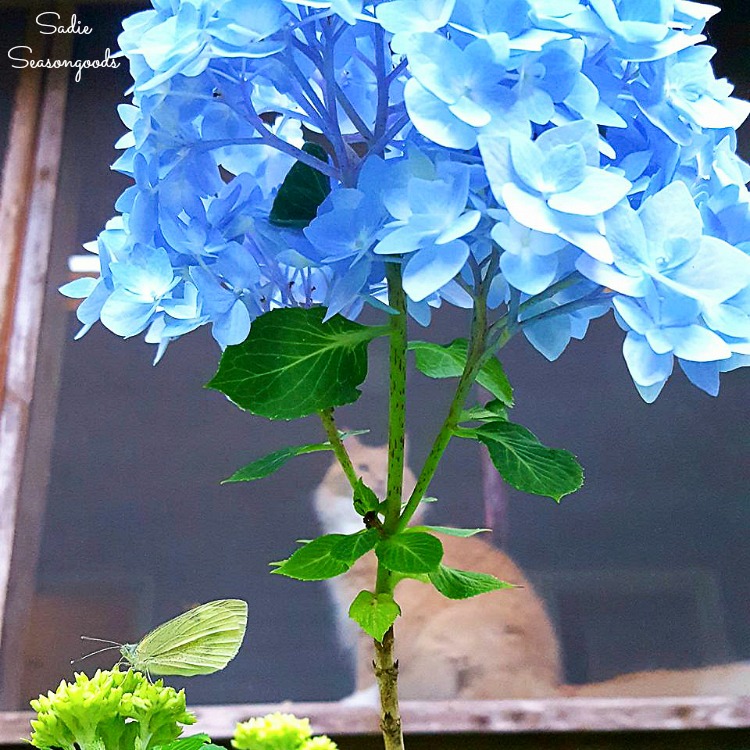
(31, 337)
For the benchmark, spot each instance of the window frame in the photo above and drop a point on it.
(30, 339)
(31, 336)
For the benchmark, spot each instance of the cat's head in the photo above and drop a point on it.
(333, 496)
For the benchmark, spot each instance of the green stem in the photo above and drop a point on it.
(386, 666)
(483, 343)
(474, 361)
(329, 425)
(510, 319)
(386, 673)
(396, 397)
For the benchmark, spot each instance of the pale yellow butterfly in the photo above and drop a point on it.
(200, 641)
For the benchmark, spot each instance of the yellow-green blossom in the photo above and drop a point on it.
(319, 743)
(278, 732)
(113, 710)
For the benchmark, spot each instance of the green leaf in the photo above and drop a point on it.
(194, 742)
(462, 584)
(353, 546)
(410, 552)
(450, 530)
(293, 364)
(315, 561)
(491, 411)
(438, 361)
(301, 192)
(374, 613)
(525, 463)
(365, 500)
(263, 467)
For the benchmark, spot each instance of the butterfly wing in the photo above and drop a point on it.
(203, 640)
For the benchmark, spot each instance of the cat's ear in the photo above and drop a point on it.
(407, 444)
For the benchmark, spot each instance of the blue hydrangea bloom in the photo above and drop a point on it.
(562, 158)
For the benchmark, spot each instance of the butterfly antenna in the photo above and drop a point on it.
(99, 640)
(94, 653)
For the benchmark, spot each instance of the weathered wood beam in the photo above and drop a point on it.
(473, 717)
(14, 193)
(24, 455)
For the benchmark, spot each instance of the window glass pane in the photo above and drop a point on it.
(644, 568)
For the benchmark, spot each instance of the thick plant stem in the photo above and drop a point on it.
(396, 397)
(386, 672)
(386, 667)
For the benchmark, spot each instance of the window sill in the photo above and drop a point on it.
(473, 717)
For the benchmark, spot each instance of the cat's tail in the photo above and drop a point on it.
(725, 679)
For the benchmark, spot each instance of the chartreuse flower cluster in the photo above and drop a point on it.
(113, 710)
(279, 732)
(560, 159)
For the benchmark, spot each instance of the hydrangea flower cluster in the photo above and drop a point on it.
(581, 152)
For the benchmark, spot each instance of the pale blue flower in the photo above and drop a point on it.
(530, 259)
(413, 16)
(453, 91)
(185, 42)
(663, 243)
(551, 335)
(141, 281)
(431, 206)
(555, 184)
(558, 156)
(228, 289)
(661, 327)
(681, 96)
(649, 29)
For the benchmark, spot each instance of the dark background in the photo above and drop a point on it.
(645, 567)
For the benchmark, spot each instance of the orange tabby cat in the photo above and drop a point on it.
(497, 645)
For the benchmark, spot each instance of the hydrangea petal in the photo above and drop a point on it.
(466, 223)
(598, 192)
(528, 209)
(414, 15)
(671, 217)
(125, 314)
(529, 273)
(79, 287)
(434, 120)
(728, 319)
(703, 375)
(646, 367)
(549, 337)
(347, 287)
(528, 163)
(438, 65)
(697, 344)
(232, 327)
(610, 277)
(715, 273)
(564, 168)
(433, 267)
